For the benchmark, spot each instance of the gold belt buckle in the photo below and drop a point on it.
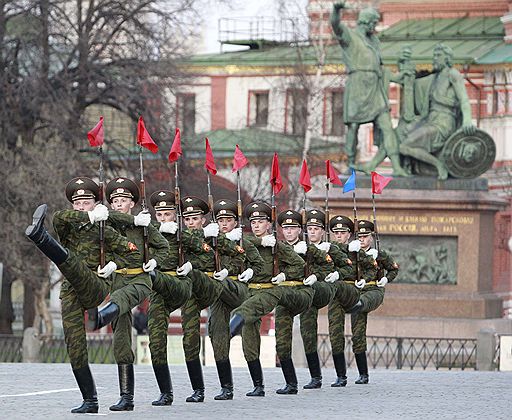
(124, 271)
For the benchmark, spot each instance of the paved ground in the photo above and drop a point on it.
(48, 391)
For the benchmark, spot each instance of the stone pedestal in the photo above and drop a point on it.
(441, 234)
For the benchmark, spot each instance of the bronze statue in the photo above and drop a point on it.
(366, 90)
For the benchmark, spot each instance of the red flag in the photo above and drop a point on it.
(379, 182)
(332, 174)
(275, 175)
(304, 178)
(239, 160)
(96, 135)
(143, 137)
(209, 163)
(176, 151)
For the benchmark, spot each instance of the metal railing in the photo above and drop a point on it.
(409, 353)
(387, 352)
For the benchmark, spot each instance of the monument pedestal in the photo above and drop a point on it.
(441, 234)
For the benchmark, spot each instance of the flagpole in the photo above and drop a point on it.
(212, 214)
(356, 233)
(143, 205)
(377, 240)
(239, 206)
(179, 218)
(327, 231)
(101, 199)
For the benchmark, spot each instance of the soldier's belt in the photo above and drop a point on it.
(368, 283)
(260, 286)
(232, 277)
(290, 283)
(129, 271)
(209, 273)
(172, 273)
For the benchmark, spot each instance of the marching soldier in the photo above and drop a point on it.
(129, 287)
(267, 290)
(346, 299)
(372, 296)
(234, 292)
(318, 265)
(169, 293)
(206, 283)
(85, 283)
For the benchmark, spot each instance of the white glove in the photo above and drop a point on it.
(300, 247)
(268, 240)
(324, 246)
(220, 275)
(106, 271)
(98, 214)
(332, 277)
(246, 275)
(168, 227)
(184, 269)
(142, 219)
(354, 246)
(235, 234)
(149, 266)
(373, 253)
(279, 278)
(310, 280)
(360, 284)
(382, 282)
(211, 230)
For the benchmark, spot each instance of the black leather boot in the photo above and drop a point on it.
(126, 387)
(37, 233)
(85, 382)
(340, 364)
(226, 380)
(314, 370)
(163, 378)
(236, 324)
(356, 308)
(290, 377)
(195, 373)
(362, 367)
(99, 318)
(257, 379)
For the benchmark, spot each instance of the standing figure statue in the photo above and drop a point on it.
(366, 96)
(443, 105)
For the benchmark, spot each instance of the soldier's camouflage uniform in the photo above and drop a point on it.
(130, 290)
(82, 288)
(372, 297)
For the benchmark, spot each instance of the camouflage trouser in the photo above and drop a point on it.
(372, 298)
(259, 303)
(233, 294)
(90, 289)
(345, 298)
(168, 294)
(127, 292)
(205, 291)
(324, 293)
(294, 300)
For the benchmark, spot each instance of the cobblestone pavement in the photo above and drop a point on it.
(48, 391)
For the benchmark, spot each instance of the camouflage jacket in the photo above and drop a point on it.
(387, 266)
(367, 265)
(290, 263)
(317, 262)
(76, 233)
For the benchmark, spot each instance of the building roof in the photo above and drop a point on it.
(478, 40)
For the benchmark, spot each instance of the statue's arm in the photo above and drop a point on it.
(338, 28)
(459, 87)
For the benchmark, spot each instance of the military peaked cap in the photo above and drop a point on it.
(225, 208)
(315, 218)
(122, 187)
(193, 206)
(289, 218)
(162, 200)
(341, 224)
(258, 210)
(82, 188)
(365, 227)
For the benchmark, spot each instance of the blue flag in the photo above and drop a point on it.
(350, 184)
